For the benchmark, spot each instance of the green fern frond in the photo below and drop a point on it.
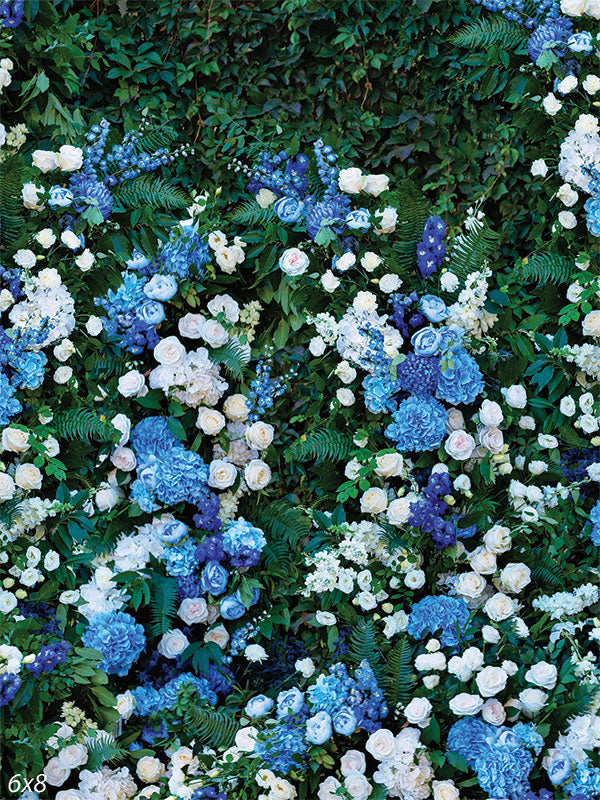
(400, 680)
(155, 139)
(101, 750)
(251, 214)
(277, 555)
(413, 211)
(489, 32)
(321, 445)
(234, 356)
(362, 646)
(548, 572)
(546, 268)
(163, 603)
(11, 204)
(284, 522)
(84, 424)
(102, 367)
(580, 702)
(472, 249)
(212, 727)
(148, 191)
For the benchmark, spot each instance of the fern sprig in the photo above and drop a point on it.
(321, 445)
(155, 192)
(545, 268)
(494, 32)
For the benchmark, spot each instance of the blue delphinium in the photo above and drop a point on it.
(592, 206)
(123, 319)
(9, 405)
(11, 13)
(439, 613)
(118, 637)
(263, 391)
(50, 656)
(185, 253)
(419, 424)
(431, 249)
(428, 510)
(9, 686)
(460, 379)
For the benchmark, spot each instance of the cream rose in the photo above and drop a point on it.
(149, 769)
(259, 435)
(218, 635)
(15, 440)
(44, 160)
(398, 511)
(169, 352)
(483, 561)
(466, 705)
(498, 539)
(172, 644)
(193, 610)
(470, 584)
(515, 577)
(125, 704)
(210, 421)
(499, 607)
(351, 180)
(222, 474)
(418, 711)
(459, 445)
(490, 681)
(190, 326)
(235, 408)
(293, 262)
(389, 465)
(131, 383)
(7, 487)
(376, 184)
(257, 474)
(444, 790)
(542, 674)
(373, 501)
(381, 745)
(28, 476)
(69, 158)
(591, 324)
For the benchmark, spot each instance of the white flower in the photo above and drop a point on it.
(149, 769)
(466, 705)
(390, 283)
(567, 219)
(345, 397)
(449, 281)
(305, 666)
(210, 421)
(499, 607)
(418, 711)
(193, 610)
(7, 487)
(94, 326)
(125, 704)
(44, 160)
(567, 195)
(46, 238)
(388, 218)
(265, 197)
(51, 560)
(224, 303)
(389, 465)
(85, 261)
(490, 414)
(542, 674)
(131, 383)
(515, 396)
(255, 652)
(370, 261)
(169, 351)
(351, 180)
(70, 239)
(69, 158)
(73, 756)
(591, 324)
(25, 258)
(591, 84)
(573, 8)
(491, 680)
(373, 501)
(533, 700)
(586, 124)
(515, 577)
(551, 104)
(257, 474)
(459, 445)
(444, 790)
(218, 635)
(214, 334)
(381, 745)
(376, 184)
(490, 635)
(15, 440)
(567, 84)
(29, 195)
(226, 259)
(539, 167)
(56, 774)
(293, 262)
(493, 712)
(172, 643)
(414, 579)
(317, 346)
(28, 476)
(325, 618)
(567, 406)
(222, 474)
(63, 375)
(398, 511)
(329, 281)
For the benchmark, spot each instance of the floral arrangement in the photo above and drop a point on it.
(298, 494)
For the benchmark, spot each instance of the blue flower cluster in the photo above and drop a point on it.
(150, 700)
(167, 472)
(419, 424)
(428, 510)
(528, 11)
(49, 657)
(263, 391)
(11, 13)
(595, 520)
(431, 248)
(460, 379)
(499, 755)
(439, 613)
(184, 254)
(9, 686)
(243, 543)
(118, 637)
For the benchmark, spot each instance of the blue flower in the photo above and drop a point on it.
(552, 35)
(173, 531)
(419, 424)
(161, 287)
(345, 722)
(433, 307)
(580, 42)
(258, 706)
(378, 392)
(460, 380)
(240, 534)
(60, 197)
(290, 701)
(289, 209)
(559, 770)
(118, 637)
(138, 261)
(360, 219)
(151, 312)
(426, 341)
(318, 728)
(231, 607)
(592, 206)
(214, 578)
(439, 613)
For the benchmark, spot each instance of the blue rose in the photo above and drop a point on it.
(258, 706)
(426, 341)
(318, 728)
(148, 474)
(559, 770)
(151, 312)
(161, 287)
(231, 607)
(289, 702)
(60, 197)
(345, 722)
(359, 219)
(214, 578)
(138, 261)
(433, 307)
(580, 42)
(173, 531)
(289, 209)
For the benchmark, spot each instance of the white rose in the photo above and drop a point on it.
(317, 346)
(226, 259)
(483, 561)
(15, 440)
(107, 497)
(459, 445)
(69, 158)
(25, 259)
(456, 420)
(499, 607)
(169, 352)
(94, 326)
(381, 745)
(345, 397)
(224, 303)
(325, 618)
(390, 283)
(70, 794)
(257, 474)
(190, 326)
(214, 334)
(345, 372)
(235, 408)
(373, 501)
(6, 300)
(210, 421)
(72, 756)
(85, 261)
(64, 350)
(376, 184)
(44, 160)
(533, 700)
(389, 465)
(265, 197)
(567, 195)
(352, 761)
(259, 435)
(388, 217)
(28, 476)
(63, 375)
(588, 423)
(498, 539)
(56, 774)
(515, 577)
(370, 261)
(492, 439)
(586, 124)
(567, 219)
(29, 195)
(329, 281)
(125, 704)
(470, 584)
(222, 474)
(493, 712)
(490, 414)
(515, 396)
(7, 487)
(357, 786)
(539, 166)
(573, 8)
(218, 635)
(551, 104)
(444, 790)
(417, 712)
(172, 644)
(490, 635)
(293, 262)
(542, 674)
(193, 610)
(398, 511)
(328, 789)
(124, 459)
(414, 579)
(466, 705)
(70, 240)
(591, 84)
(149, 769)
(490, 681)
(351, 180)
(131, 383)
(591, 324)
(305, 666)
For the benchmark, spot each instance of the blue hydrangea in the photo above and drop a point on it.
(242, 533)
(118, 637)
(595, 520)
(283, 745)
(439, 613)
(592, 206)
(419, 424)
(379, 391)
(552, 35)
(9, 405)
(184, 253)
(180, 559)
(460, 380)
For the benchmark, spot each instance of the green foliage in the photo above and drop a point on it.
(163, 603)
(234, 356)
(152, 191)
(103, 749)
(400, 681)
(363, 646)
(490, 32)
(413, 210)
(83, 424)
(212, 727)
(473, 249)
(546, 268)
(320, 444)
(251, 214)
(11, 206)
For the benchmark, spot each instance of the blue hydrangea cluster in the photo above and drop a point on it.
(379, 386)
(184, 254)
(595, 520)
(284, 176)
(437, 613)
(499, 755)
(21, 364)
(180, 559)
(283, 745)
(130, 315)
(9, 686)
(585, 781)
(419, 424)
(460, 379)
(243, 543)
(431, 248)
(11, 13)
(150, 700)
(209, 793)
(529, 12)
(167, 472)
(49, 657)
(419, 375)
(118, 637)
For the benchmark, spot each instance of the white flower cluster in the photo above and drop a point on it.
(469, 311)
(567, 604)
